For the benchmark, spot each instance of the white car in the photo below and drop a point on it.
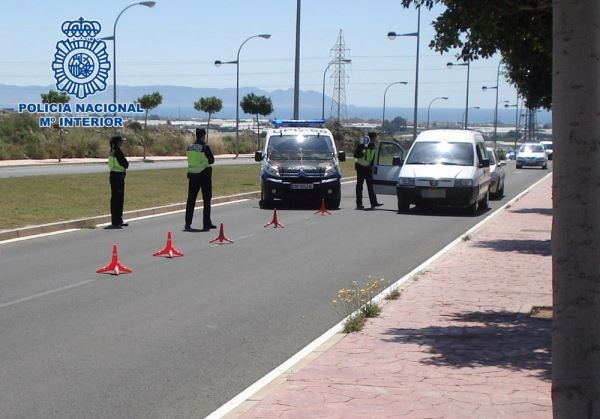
(532, 154)
(497, 175)
(442, 168)
(548, 146)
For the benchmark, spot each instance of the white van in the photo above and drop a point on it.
(442, 168)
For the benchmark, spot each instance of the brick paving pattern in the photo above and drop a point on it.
(458, 343)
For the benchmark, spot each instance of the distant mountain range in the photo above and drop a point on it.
(178, 103)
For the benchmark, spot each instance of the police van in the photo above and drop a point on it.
(299, 160)
(442, 168)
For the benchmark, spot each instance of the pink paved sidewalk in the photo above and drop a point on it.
(458, 343)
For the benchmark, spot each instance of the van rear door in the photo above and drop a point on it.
(385, 173)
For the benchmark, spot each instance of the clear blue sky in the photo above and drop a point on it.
(177, 41)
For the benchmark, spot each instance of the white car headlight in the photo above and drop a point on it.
(273, 170)
(406, 181)
(463, 182)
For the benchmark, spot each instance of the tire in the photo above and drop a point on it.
(500, 193)
(403, 206)
(333, 203)
(485, 202)
(265, 202)
(519, 166)
(473, 209)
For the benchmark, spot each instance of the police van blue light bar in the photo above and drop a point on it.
(278, 123)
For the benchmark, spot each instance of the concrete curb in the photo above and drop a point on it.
(101, 219)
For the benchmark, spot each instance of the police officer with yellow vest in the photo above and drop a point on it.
(364, 155)
(199, 158)
(118, 164)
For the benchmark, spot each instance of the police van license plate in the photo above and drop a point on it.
(302, 186)
(433, 193)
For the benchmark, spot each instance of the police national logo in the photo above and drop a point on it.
(81, 63)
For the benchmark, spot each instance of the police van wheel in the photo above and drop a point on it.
(264, 202)
(334, 203)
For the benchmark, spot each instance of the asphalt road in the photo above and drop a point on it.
(180, 337)
(70, 169)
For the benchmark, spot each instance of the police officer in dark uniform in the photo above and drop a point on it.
(365, 156)
(199, 158)
(118, 164)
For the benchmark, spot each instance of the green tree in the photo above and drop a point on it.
(55, 97)
(148, 102)
(257, 105)
(395, 125)
(210, 105)
(520, 30)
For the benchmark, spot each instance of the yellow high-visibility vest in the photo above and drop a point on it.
(197, 160)
(113, 163)
(367, 158)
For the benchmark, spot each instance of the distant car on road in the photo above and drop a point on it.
(532, 154)
(548, 147)
(511, 155)
(497, 175)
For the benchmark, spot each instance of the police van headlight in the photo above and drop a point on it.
(330, 170)
(406, 181)
(273, 170)
(463, 183)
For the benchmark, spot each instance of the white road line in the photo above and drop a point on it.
(43, 294)
(36, 236)
(287, 365)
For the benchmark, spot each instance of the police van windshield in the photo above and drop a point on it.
(300, 147)
(457, 154)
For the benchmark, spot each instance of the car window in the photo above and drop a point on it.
(387, 152)
(425, 152)
(532, 148)
(301, 146)
(491, 157)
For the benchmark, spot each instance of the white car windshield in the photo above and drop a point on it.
(458, 154)
(300, 147)
(532, 148)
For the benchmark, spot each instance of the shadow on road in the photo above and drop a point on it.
(543, 211)
(501, 339)
(532, 247)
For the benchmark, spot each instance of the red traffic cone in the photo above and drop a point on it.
(115, 267)
(323, 209)
(169, 251)
(275, 222)
(221, 237)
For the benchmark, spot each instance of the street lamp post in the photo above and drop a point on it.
(237, 89)
(384, 94)
(114, 39)
(466, 112)
(468, 65)
(297, 63)
(497, 88)
(429, 107)
(393, 35)
(516, 106)
(345, 61)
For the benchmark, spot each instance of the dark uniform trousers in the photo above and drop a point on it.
(197, 181)
(364, 174)
(117, 196)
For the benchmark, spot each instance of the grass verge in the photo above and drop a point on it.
(36, 200)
